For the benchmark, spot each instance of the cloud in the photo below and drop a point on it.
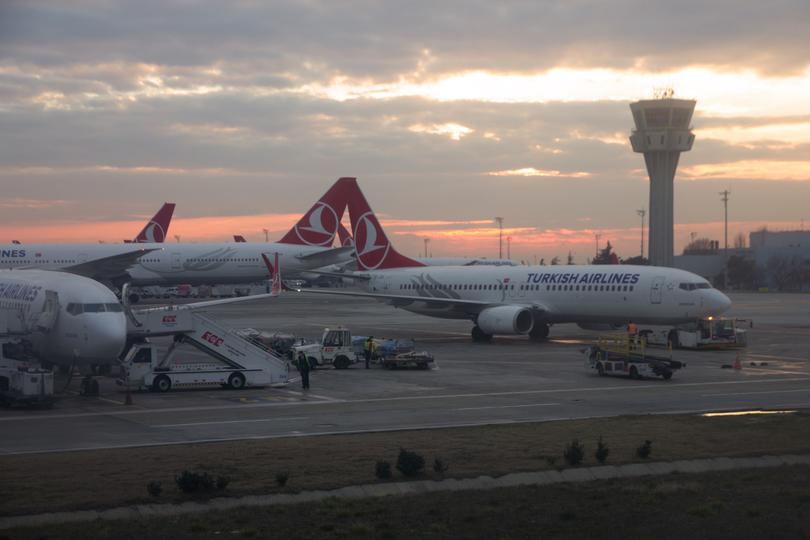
(531, 171)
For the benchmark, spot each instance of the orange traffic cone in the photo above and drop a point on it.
(737, 363)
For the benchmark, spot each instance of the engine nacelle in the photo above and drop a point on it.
(602, 327)
(506, 320)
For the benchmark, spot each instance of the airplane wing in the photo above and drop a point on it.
(327, 256)
(210, 303)
(397, 300)
(107, 268)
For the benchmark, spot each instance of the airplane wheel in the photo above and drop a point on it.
(162, 384)
(236, 381)
(634, 373)
(479, 336)
(673, 339)
(134, 298)
(539, 332)
(667, 375)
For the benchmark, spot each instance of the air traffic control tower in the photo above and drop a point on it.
(662, 133)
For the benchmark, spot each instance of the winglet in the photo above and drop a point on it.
(319, 225)
(374, 250)
(158, 227)
(275, 273)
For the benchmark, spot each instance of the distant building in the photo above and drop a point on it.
(783, 257)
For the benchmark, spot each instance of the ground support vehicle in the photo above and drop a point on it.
(235, 362)
(711, 333)
(23, 382)
(421, 360)
(623, 355)
(334, 348)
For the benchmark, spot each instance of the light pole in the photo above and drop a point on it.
(177, 238)
(499, 221)
(427, 241)
(725, 193)
(266, 235)
(509, 247)
(598, 236)
(642, 212)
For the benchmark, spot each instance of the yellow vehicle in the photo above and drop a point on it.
(624, 355)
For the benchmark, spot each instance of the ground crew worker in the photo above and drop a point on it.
(303, 369)
(632, 329)
(368, 347)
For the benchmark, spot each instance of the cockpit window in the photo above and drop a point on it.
(94, 308)
(74, 309)
(694, 286)
(78, 309)
(114, 308)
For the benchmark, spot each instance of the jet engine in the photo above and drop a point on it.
(505, 320)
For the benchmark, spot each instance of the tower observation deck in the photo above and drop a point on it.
(662, 132)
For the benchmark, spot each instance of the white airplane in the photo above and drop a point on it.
(72, 320)
(306, 246)
(66, 319)
(524, 299)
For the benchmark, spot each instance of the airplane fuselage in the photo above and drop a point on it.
(169, 264)
(67, 319)
(613, 294)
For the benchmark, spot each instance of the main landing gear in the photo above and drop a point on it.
(539, 332)
(479, 336)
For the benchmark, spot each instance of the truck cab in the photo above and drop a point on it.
(335, 348)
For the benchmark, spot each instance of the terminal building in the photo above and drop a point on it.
(782, 259)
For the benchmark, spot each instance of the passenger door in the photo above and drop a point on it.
(656, 289)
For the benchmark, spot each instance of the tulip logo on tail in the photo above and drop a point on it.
(319, 227)
(370, 241)
(154, 233)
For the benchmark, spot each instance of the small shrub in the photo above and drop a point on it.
(574, 453)
(222, 482)
(439, 466)
(192, 482)
(644, 450)
(602, 451)
(282, 477)
(382, 470)
(154, 488)
(410, 463)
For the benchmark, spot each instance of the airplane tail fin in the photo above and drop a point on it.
(239, 238)
(275, 273)
(345, 236)
(158, 227)
(374, 250)
(319, 225)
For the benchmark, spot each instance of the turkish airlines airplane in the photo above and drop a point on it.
(73, 320)
(157, 229)
(524, 299)
(306, 246)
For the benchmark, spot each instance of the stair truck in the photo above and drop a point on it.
(235, 362)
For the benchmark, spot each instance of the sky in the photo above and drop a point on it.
(448, 113)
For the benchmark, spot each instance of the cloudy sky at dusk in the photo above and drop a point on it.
(448, 113)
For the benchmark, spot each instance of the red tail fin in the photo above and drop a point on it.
(374, 250)
(239, 238)
(158, 227)
(345, 236)
(319, 225)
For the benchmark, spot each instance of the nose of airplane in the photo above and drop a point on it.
(109, 337)
(717, 302)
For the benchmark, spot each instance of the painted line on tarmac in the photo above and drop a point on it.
(190, 424)
(750, 355)
(621, 387)
(763, 392)
(506, 406)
